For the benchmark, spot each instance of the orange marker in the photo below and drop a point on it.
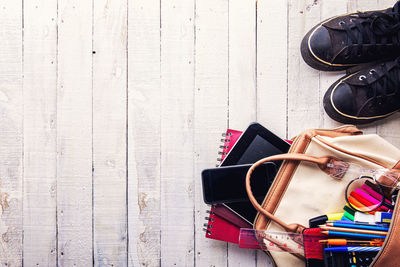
(358, 204)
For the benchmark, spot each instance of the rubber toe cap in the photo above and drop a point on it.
(320, 44)
(342, 99)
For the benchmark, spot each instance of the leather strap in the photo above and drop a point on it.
(294, 227)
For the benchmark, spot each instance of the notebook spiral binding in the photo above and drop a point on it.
(208, 225)
(224, 147)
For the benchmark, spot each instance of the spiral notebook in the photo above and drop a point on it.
(222, 224)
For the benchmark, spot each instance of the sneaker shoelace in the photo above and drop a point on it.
(374, 28)
(385, 85)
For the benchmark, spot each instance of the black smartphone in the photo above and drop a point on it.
(254, 144)
(227, 184)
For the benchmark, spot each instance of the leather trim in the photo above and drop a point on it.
(296, 157)
(388, 256)
(348, 152)
(288, 168)
(397, 165)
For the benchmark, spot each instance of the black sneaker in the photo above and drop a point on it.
(344, 41)
(368, 95)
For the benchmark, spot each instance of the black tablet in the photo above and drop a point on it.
(254, 144)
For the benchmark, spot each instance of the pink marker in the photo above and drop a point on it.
(370, 198)
(373, 193)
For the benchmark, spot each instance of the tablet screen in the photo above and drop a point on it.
(258, 148)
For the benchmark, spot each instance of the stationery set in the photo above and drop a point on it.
(332, 201)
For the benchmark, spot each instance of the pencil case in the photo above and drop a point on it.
(307, 185)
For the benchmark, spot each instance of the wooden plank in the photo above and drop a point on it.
(144, 133)
(11, 139)
(303, 81)
(242, 64)
(109, 133)
(326, 79)
(211, 93)
(74, 133)
(242, 88)
(272, 23)
(40, 98)
(177, 148)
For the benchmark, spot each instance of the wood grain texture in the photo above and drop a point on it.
(11, 133)
(303, 81)
(177, 147)
(144, 143)
(242, 89)
(40, 154)
(110, 240)
(272, 25)
(272, 59)
(242, 64)
(74, 134)
(326, 79)
(210, 114)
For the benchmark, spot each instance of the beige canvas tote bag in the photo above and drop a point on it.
(305, 186)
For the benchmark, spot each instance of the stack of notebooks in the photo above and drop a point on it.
(223, 224)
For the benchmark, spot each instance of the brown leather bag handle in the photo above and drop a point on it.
(320, 161)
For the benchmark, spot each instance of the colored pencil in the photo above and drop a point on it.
(344, 242)
(360, 223)
(352, 235)
(352, 230)
(359, 226)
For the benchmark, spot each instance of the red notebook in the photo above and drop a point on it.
(223, 224)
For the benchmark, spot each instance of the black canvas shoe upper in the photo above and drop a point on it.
(368, 95)
(343, 41)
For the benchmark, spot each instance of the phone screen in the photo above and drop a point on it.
(227, 184)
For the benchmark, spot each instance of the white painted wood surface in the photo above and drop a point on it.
(40, 133)
(111, 109)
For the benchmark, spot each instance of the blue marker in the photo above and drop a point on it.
(352, 249)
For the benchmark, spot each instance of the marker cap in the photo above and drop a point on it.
(314, 222)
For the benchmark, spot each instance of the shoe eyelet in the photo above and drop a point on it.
(372, 71)
(352, 20)
(341, 22)
(362, 77)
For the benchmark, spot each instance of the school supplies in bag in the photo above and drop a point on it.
(312, 181)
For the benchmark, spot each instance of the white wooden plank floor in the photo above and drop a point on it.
(111, 109)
